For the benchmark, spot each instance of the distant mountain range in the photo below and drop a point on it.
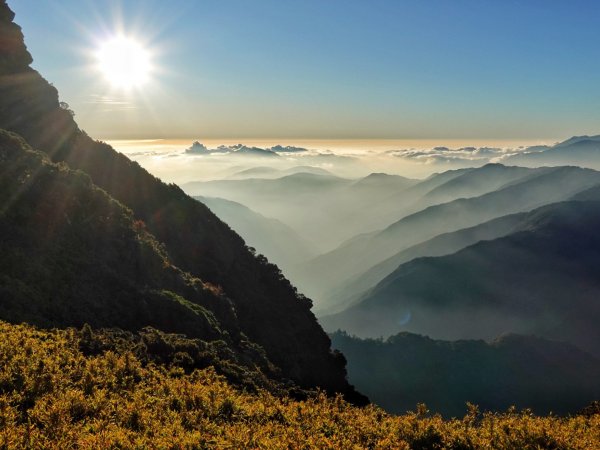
(301, 199)
(359, 254)
(579, 151)
(474, 182)
(272, 172)
(542, 278)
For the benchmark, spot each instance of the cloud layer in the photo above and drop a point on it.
(463, 155)
(240, 149)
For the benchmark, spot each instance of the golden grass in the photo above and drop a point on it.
(53, 396)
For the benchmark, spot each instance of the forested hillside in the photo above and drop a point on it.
(267, 307)
(522, 371)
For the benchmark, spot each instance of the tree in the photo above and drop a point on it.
(66, 107)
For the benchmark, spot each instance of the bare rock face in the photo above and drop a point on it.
(13, 53)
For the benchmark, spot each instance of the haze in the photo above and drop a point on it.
(392, 198)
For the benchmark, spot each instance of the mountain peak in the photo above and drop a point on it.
(14, 56)
(269, 310)
(576, 139)
(377, 178)
(378, 175)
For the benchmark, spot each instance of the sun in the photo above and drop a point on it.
(124, 62)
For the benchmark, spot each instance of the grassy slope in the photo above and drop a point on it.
(53, 394)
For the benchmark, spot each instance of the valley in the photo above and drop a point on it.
(390, 267)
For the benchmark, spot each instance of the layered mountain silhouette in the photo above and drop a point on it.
(296, 184)
(578, 150)
(268, 236)
(438, 188)
(523, 371)
(267, 308)
(290, 199)
(541, 279)
(475, 182)
(444, 244)
(356, 256)
(272, 172)
(313, 203)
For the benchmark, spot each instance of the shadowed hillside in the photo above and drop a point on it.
(352, 290)
(72, 255)
(524, 371)
(268, 308)
(542, 279)
(363, 252)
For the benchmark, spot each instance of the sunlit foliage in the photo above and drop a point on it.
(54, 396)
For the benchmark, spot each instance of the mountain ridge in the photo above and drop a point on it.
(361, 253)
(196, 240)
(527, 282)
(494, 375)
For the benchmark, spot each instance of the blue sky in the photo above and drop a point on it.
(329, 68)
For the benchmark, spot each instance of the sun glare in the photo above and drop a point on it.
(124, 62)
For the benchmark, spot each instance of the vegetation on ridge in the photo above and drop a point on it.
(523, 371)
(54, 395)
(267, 308)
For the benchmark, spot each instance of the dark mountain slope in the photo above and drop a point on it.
(543, 280)
(522, 371)
(352, 290)
(269, 310)
(363, 252)
(591, 194)
(73, 255)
